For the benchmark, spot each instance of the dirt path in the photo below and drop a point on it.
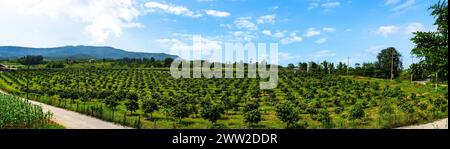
(74, 120)
(441, 124)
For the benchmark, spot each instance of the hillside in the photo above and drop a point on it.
(78, 52)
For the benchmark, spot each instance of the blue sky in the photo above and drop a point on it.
(306, 30)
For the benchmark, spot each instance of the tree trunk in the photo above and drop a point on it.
(28, 78)
(113, 114)
(436, 83)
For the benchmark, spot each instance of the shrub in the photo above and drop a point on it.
(287, 112)
(357, 112)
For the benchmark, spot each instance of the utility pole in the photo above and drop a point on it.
(348, 64)
(411, 71)
(28, 78)
(436, 86)
(308, 66)
(392, 65)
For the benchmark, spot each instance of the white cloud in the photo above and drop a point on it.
(278, 34)
(171, 9)
(245, 23)
(206, 0)
(216, 13)
(267, 32)
(414, 27)
(329, 5)
(374, 50)
(182, 45)
(266, 19)
(404, 6)
(291, 39)
(328, 29)
(321, 41)
(387, 30)
(181, 10)
(312, 32)
(228, 26)
(324, 54)
(324, 4)
(274, 8)
(392, 2)
(243, 36)
(313, 5)
(101, 18)
(286, 56)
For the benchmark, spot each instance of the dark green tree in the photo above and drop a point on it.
(149, 105)
(302, 67)
(389, 63)
(132, 105)
(211, 111)
(288, 113)
(433, 46)
(112, 102)
(357, 112)
(31, 60)
(252, 114)
(168, 61)
(291, 66)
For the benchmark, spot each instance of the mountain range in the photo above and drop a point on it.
(77, 52)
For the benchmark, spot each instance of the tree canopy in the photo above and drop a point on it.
(433, 46)
(31, 60)
(388, 59)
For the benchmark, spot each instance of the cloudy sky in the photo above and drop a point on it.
(306, 30)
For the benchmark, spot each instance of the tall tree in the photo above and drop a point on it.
(325, 66)
(433, 46)
(31, 60)
(389, 62)
(303, 67)
(291, 66)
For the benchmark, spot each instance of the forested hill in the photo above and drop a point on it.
(78, 52)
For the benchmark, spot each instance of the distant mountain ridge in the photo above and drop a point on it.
(78, 52)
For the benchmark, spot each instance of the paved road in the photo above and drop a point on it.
(441, 124)
(74, 120)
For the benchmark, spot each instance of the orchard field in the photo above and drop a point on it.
(151, 98)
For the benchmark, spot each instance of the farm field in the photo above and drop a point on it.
(152, 99)
(19, 114)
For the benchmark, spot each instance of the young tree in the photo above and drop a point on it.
(287, 112)
(181, 108)
(386, 112)
(323, 116)
(252, 114)
(149, 105)
(211, 111)
(132, 104)
(357, 112)
(111, 102)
